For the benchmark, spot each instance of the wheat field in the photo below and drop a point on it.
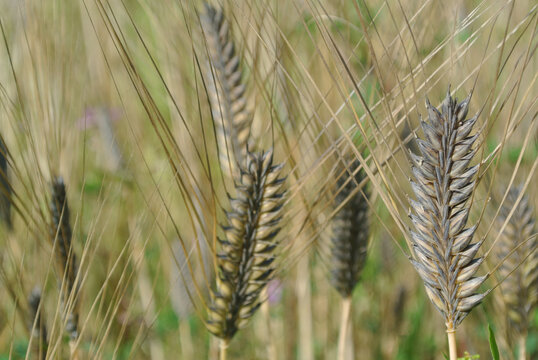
(267, 179)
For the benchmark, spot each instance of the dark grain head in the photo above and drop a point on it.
(37, 324)
(65, 256)
(5, 186)
(444, 254)
(247, 251)
(350, 231)
(520, 269)
(226, 91)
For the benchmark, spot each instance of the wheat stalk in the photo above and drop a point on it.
(247, 254)
(443, 183)
(520, 286)
(226, 91)
(37, 324)
(65, 258)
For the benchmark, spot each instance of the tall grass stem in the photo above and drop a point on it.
(271, 347)
(344, 326)
(522, 349)
(304, 304)
(452, 348)
(223, 349)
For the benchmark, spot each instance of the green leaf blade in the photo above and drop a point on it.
(493, 344)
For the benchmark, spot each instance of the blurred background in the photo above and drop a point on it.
(113, 97)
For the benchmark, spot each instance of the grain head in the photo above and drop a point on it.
(226, 91)
(349, 241)
(444, 254)
(65, 257)
(5, 186)
(247, 251)
(37, 324)
(520, 269)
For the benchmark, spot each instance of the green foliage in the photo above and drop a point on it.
(167, 321)
(19, 350)
(467, 356)
(417, 344)
(493, 344)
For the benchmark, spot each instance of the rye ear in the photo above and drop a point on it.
(444, 253)
(248, 249)
(226, 92)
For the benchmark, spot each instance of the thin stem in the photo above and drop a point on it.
(522, 349)
(304, 303)
(185, 337)
(223, 349)
(73, 350)
(451, 333)
(346, 311)
(271, 348)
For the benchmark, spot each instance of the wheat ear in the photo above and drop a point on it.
(520, 286)
(349, 243)
(226, 91)
(37, 324)
(65, 258)
(443, 183)
(5, 186)
(247, 252)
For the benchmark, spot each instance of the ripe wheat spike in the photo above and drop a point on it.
(65, 256)
(520, 288)
(5, 186)
(349, 240)
(37, 324)
(226, 91)
(443, 183)
(247, 254)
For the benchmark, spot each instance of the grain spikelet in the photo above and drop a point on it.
(5, 187)
(37, 323)
(520, 288)
(444, 255)
(226, 91)
(349, 240)
(66, 259)
(245, 260)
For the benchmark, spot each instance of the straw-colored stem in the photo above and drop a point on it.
(451, 333)
(304, 303)
(214, 348)
(522, 349)
(186, 339)
(73, 350)
(145, 291)
(271, 348)
(344, 325)
(223, 349)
